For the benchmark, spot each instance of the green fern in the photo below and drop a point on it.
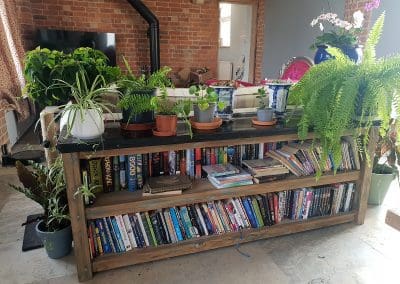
(337, 91)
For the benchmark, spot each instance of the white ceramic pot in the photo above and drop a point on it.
(88, 124)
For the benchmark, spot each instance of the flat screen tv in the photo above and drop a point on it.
(67, 41)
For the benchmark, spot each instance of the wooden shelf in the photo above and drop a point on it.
(115, 203)
(111, 261)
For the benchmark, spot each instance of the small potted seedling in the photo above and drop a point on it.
(205, 103)
(264, 112)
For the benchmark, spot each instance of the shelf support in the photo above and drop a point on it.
(78, 218)
(363, 184)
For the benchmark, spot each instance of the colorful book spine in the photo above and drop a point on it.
(174, 218)
(122, 172)
(131, 173)
(123, 232)
(117, 184)
(142, 229)
(104, 242)
(139, 173)
(121, 244)
(96, 175)
(108, 174)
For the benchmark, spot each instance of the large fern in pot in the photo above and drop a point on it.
(336, 92)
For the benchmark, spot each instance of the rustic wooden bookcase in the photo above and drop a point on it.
(237, 133)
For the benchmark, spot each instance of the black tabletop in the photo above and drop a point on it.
(113, 138)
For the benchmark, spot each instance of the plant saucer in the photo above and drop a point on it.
(137, 126)
(263, 123)
(163, 133)
(206, 125)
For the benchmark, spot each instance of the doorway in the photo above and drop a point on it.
(235, 42)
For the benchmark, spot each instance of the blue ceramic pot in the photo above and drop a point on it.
(353, 52)
(278, 96)
(225, 94)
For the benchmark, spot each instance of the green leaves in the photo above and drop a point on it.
(204, 96)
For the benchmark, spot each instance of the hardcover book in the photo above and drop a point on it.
(168, 183)
(96, 175)
(108, 174)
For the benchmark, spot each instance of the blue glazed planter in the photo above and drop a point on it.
(353, 52)
(225, 94)
(278, 96)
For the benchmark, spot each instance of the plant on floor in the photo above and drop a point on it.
(136, 92)
(84, 115)
(43, 67)
(46, 186)
(339, 94)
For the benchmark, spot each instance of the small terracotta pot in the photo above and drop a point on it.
(166, 123)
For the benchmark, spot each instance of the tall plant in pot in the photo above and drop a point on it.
(83, 116)
(136, 94)
(384, 168)
(205, 103)
(264, 112)
(46, 186)
(335, 92)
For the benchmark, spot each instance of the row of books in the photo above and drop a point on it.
(122, 233)
(131, 172)
(304, 159)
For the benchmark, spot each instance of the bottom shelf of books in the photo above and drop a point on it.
(137, 237)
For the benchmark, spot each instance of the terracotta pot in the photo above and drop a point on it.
(166, 123)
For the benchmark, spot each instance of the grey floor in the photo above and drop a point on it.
(341, 254)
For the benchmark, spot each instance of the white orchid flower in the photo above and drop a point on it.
(314, 22)
(358, 17)
(321, 27)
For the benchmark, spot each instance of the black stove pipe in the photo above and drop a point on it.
(154, 32)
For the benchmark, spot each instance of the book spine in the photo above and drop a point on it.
(230, 212)
(192, 163)
(209, 226)
(113, 234)
(123, 232)
(210, 219)
(165, 229)
(122, 172)
(118, 234)
(149, 224)
(188, 162)
(201, 219)
(117, 183)
(108, 233)
(197, 163)
(215, 217)
(145, 167)
(108, 185)
(131, 172)
(104, 241)
(98, 240)
(92, 246)
(249, 212)
(156, 228)
(257, 211)
(236, 212)
(170, 226)
(175, 222)
(143, 229)
(137, 231)
(96, 175)
(172, 163)
(185, 221)
(196, 230)
(139, 173)
(156, 165)
(129, 230)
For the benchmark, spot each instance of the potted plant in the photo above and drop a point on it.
(44, 67)
(206, 101)
(83, 116)
(136, 94)
(225, 90)
(278, 91)
(167, 112)
(384, 169)
(264, 112)
(46, 186)
(333, 92)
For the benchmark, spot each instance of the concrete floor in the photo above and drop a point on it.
(341, 254)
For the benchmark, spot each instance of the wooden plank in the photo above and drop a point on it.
(363, 184)
(128, 202)
(212, 242)
(393, 218)
(78, 219)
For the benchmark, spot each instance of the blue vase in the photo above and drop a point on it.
(353, 52)
(225, 94)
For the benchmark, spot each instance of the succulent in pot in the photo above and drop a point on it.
(46, 186)
(83, 116)
(206, 101)
(264, 112)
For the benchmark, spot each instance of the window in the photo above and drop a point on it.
(225, 12)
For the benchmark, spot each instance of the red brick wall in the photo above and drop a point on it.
(188, 32)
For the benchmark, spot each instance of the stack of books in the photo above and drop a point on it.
(166, 185)
(227, 175)
(265, 170)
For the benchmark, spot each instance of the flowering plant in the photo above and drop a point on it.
(343, 33)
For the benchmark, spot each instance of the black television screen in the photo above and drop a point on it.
(67, 41)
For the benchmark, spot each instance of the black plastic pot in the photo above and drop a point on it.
(144, 117)
(58, 243)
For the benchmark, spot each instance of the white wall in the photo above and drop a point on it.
(288, 32)
(390, 40)
(240, 38)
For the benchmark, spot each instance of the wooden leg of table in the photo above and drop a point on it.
(77, 213)
(363, 184)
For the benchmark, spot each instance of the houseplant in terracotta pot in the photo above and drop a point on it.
(205, 103)
(136, 94)
(264, 112)
(46, 186)
(334, 92)
(83, 116)
(167, 112)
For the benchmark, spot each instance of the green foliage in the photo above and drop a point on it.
(263, 101)
(84, 96)
(43, 67)
(46, 186)
(136, 104)
(205, 96)
(335, 39)
(334, 92)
